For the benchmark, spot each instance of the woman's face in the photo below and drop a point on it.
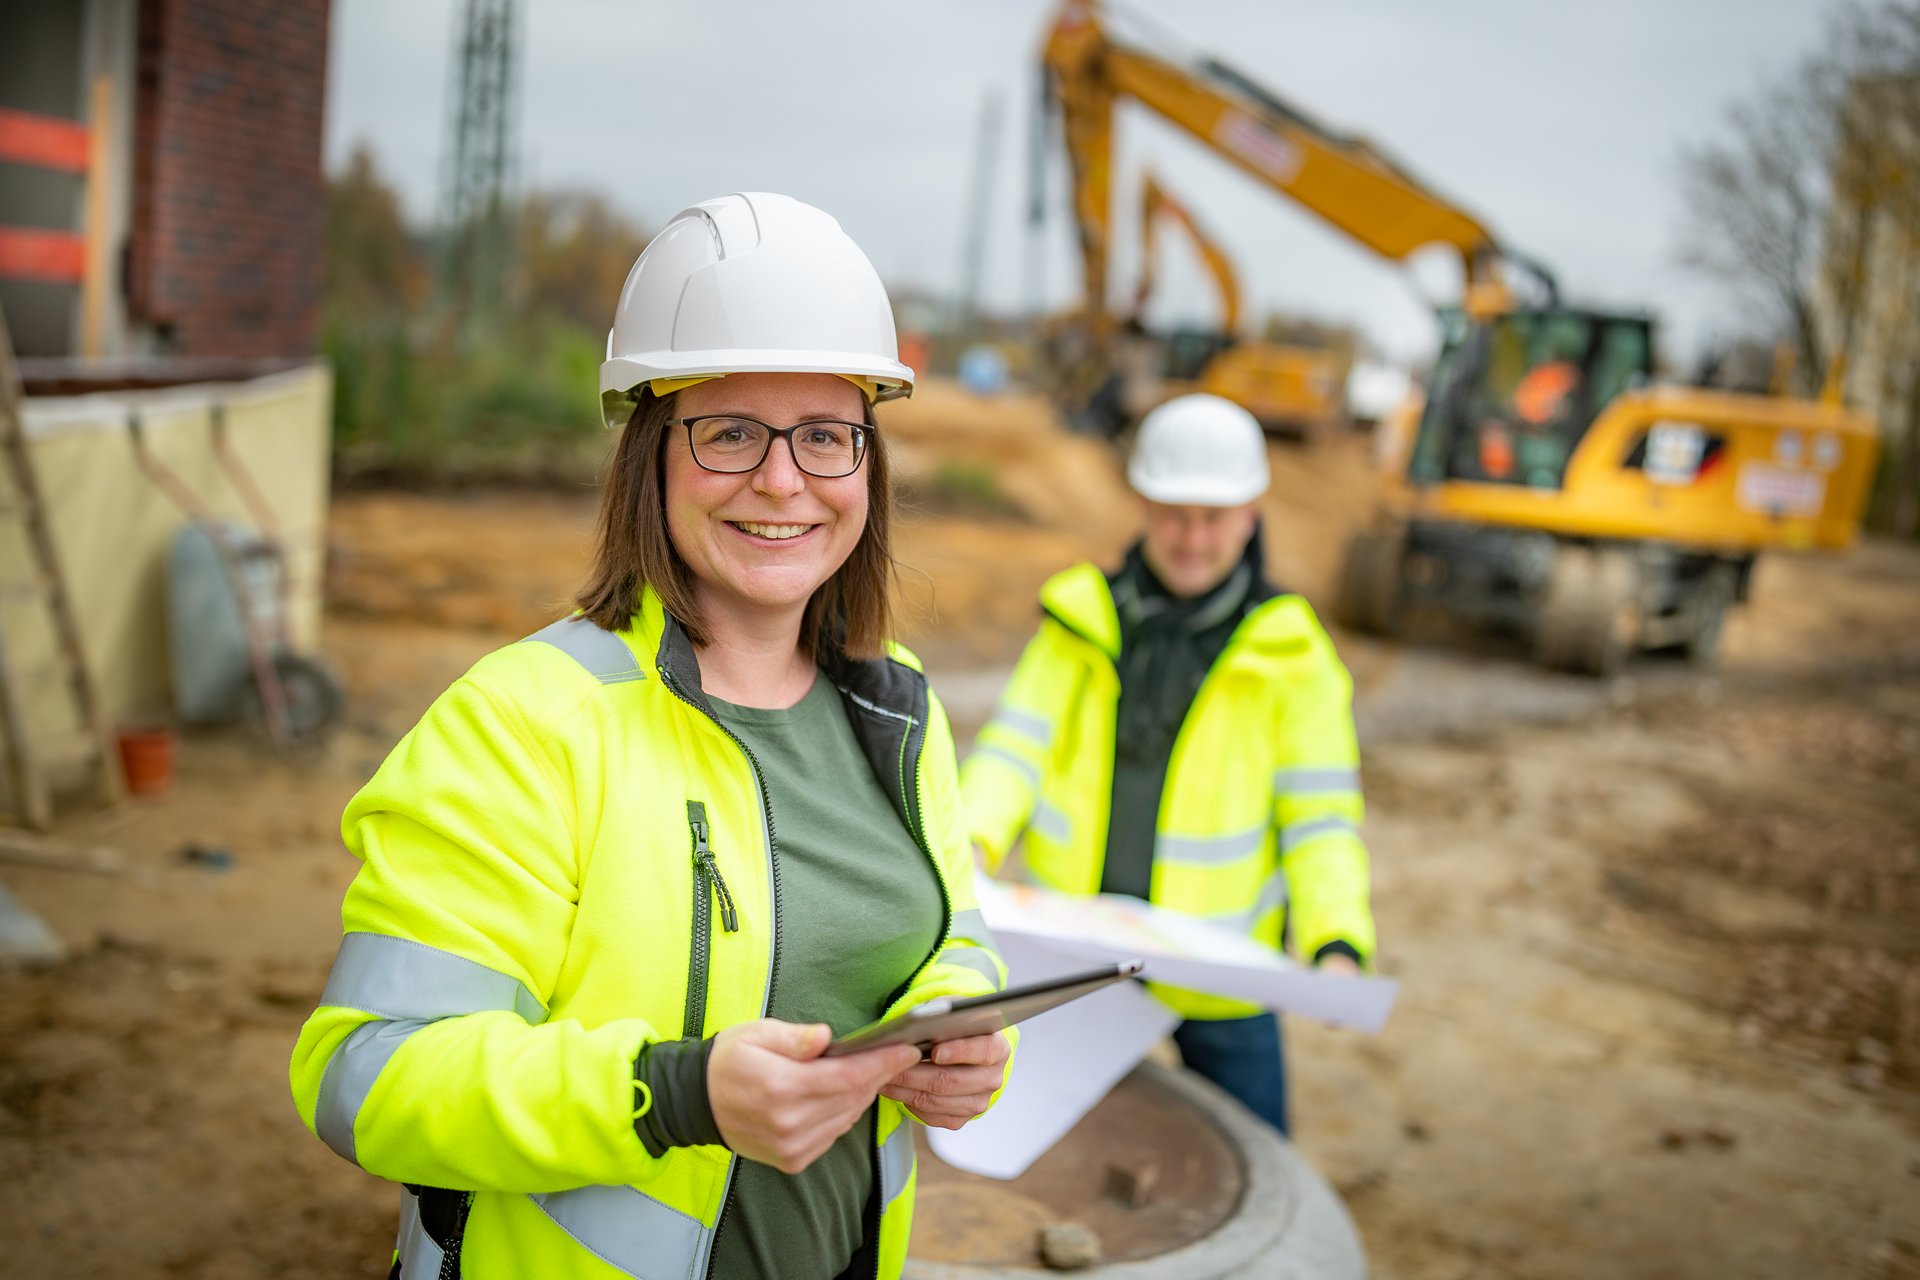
(761, 542)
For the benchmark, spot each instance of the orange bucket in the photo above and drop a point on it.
(146, 760)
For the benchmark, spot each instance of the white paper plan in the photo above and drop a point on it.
(1070, 1057)
(1180, 951)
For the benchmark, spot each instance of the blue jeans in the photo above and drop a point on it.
(1242, 1056)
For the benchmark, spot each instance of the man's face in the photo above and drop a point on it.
(1192, 549)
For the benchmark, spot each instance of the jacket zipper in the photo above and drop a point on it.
(773, 867)
(705, 871)
(910, 778)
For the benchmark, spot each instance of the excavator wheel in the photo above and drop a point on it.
(1707, 606)
(1589, 619)
(1369, 597)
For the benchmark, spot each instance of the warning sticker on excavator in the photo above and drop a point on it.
(1780, 491)
(1259, 146)
(1674, 450)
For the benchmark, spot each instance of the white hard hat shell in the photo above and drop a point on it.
(1199, 450)
(750, 283)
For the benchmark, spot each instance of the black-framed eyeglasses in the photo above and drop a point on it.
(730, 444)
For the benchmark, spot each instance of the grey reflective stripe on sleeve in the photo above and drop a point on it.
(1026, 769)
(396, 978)
(977, 959)
(629, 1230)
(1050, 822)
(1272, 894)
(1295, 834)
(1300, 782)
(604, 655)
(1024, 723)
(349, 1077)
(896, 1162)
(408, 985)
(419, 1255)
(971, 924)
(1210, 851)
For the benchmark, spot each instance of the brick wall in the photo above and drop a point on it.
(229, 201)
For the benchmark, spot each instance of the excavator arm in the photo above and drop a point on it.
(1156, 202)
(1344, 180)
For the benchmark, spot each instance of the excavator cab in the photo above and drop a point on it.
(1514, 394)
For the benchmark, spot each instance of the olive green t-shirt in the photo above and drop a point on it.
(860, 908)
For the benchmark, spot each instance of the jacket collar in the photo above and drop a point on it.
(886, 698)
(1081, 600)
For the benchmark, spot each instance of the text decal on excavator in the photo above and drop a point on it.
(1259, 146)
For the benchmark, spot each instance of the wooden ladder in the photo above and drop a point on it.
(44, 588)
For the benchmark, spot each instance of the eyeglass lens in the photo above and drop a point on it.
(825, 448)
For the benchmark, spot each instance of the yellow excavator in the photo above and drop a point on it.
(1293, 389)
(1542, 482)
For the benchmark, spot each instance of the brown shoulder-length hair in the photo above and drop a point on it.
(851, 611)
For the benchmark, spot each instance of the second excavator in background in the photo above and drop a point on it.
(1542, 482)
(1294, 388)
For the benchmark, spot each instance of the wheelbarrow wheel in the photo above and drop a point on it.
(313, 694)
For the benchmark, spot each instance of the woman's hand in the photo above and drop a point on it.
(956, 1085)
(777, 1101)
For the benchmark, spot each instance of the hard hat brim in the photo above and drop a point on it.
(619, 375)
(1192, 492)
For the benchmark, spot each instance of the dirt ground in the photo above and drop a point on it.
(1659, 939)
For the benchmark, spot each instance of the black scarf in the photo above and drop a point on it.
(1167, 646)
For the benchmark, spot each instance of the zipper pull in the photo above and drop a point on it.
(729, 918)
(703, 859)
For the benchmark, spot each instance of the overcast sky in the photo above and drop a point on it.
(1558, 124)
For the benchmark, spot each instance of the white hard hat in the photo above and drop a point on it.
(1201, 451)
(750, 283)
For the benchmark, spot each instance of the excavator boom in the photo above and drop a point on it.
(1345, 181)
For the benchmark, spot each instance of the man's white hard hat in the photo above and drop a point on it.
(750, 283)
(1199, 450)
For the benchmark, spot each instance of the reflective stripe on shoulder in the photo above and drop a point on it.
(629, 1230)
(896, 1163)
(1295, 834)
(604, 654)
(1301, 782)
(1209, 851)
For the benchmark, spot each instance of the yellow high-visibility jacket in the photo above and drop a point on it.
(1259, 818)
(531, 912)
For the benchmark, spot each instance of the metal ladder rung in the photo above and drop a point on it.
(22, 503)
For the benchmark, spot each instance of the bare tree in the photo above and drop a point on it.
(1756, 201)
(1809, 210)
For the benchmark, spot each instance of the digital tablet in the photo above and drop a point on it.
(955, 1018)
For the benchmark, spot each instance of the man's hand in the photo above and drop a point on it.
(777, 1101)
(1339, 964)
(957, 1084)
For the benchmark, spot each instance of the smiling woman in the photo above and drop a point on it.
(669, 547)
(581, 1002)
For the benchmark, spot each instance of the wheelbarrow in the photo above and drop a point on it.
(232, 653)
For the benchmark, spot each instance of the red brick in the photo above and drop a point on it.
(227, 237)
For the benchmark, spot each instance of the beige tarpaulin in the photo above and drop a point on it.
(112, 525)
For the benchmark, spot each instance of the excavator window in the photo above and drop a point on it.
(1513, 395)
